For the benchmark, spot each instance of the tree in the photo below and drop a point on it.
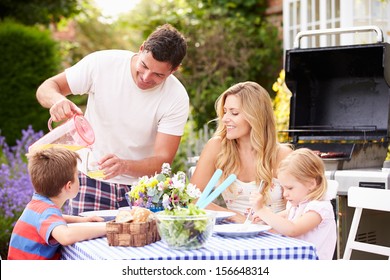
(229, 41)
(93, 35)
(30, 12)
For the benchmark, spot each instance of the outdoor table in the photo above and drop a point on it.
(264, 246)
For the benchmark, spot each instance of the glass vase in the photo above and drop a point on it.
(153, 207)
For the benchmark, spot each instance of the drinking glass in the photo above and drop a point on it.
(92, 166)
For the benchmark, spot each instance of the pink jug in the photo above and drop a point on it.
(76, 133)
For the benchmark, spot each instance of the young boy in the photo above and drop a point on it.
(42, 228)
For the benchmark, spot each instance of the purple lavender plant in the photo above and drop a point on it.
(15, 184)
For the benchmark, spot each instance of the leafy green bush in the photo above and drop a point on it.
(29, 56)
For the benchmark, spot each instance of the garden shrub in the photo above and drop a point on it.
(29, 56)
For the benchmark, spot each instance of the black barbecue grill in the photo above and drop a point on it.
(340, 100)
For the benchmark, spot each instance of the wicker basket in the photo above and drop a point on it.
(132, 234)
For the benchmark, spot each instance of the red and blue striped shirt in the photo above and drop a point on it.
(31, 237)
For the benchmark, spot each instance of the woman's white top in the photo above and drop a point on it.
(237, 197)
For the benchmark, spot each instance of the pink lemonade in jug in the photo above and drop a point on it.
(75, 134)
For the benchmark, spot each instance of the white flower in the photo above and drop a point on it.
(161, 186)
(166, 202)
(181, 176)
(193, 191)
(144, 179)
(178, 183)
(166, 169)
(170, 190)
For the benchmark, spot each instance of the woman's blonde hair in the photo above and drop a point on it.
(256, 106)
(305, 165)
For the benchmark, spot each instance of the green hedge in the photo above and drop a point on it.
(28, 57)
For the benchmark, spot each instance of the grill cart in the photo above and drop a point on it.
(340, 108)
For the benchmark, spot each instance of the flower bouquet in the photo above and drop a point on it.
(163, 191)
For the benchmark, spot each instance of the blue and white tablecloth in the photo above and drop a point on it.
(265, 246)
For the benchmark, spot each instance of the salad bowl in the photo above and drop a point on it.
(185, 228)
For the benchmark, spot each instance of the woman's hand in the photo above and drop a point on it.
(238, 218)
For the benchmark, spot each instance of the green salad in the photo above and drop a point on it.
(185, 228)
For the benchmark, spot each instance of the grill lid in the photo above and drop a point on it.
(339, 93)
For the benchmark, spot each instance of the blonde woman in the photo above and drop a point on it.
(245, 143)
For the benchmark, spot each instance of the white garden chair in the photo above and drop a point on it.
(365, 198)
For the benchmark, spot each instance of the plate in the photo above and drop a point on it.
(89, 224)
(221, 215)
(237, 230)
(107, 215)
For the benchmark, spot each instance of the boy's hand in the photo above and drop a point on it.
(93, 219)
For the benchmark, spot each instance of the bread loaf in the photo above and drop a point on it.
(141, 215)
(136, 215)
(124, 216)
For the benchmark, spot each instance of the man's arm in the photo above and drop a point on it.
(165, 149)
(52, 94)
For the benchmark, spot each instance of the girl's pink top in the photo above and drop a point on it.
(324, 236)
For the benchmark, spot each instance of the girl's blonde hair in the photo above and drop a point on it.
(256, 106)
(305, 165)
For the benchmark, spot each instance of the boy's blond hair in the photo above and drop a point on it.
(51, 169)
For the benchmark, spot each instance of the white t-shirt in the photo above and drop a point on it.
(237, 197)
(126, 119)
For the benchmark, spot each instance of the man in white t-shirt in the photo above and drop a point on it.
(136, 108)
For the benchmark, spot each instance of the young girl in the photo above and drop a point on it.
(309, 214)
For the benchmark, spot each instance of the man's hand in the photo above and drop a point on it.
(112, 166)
(63, 110)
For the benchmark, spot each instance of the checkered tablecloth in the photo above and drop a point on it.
(265, 246)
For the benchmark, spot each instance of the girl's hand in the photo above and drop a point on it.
(257, 220)
(256, 201)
